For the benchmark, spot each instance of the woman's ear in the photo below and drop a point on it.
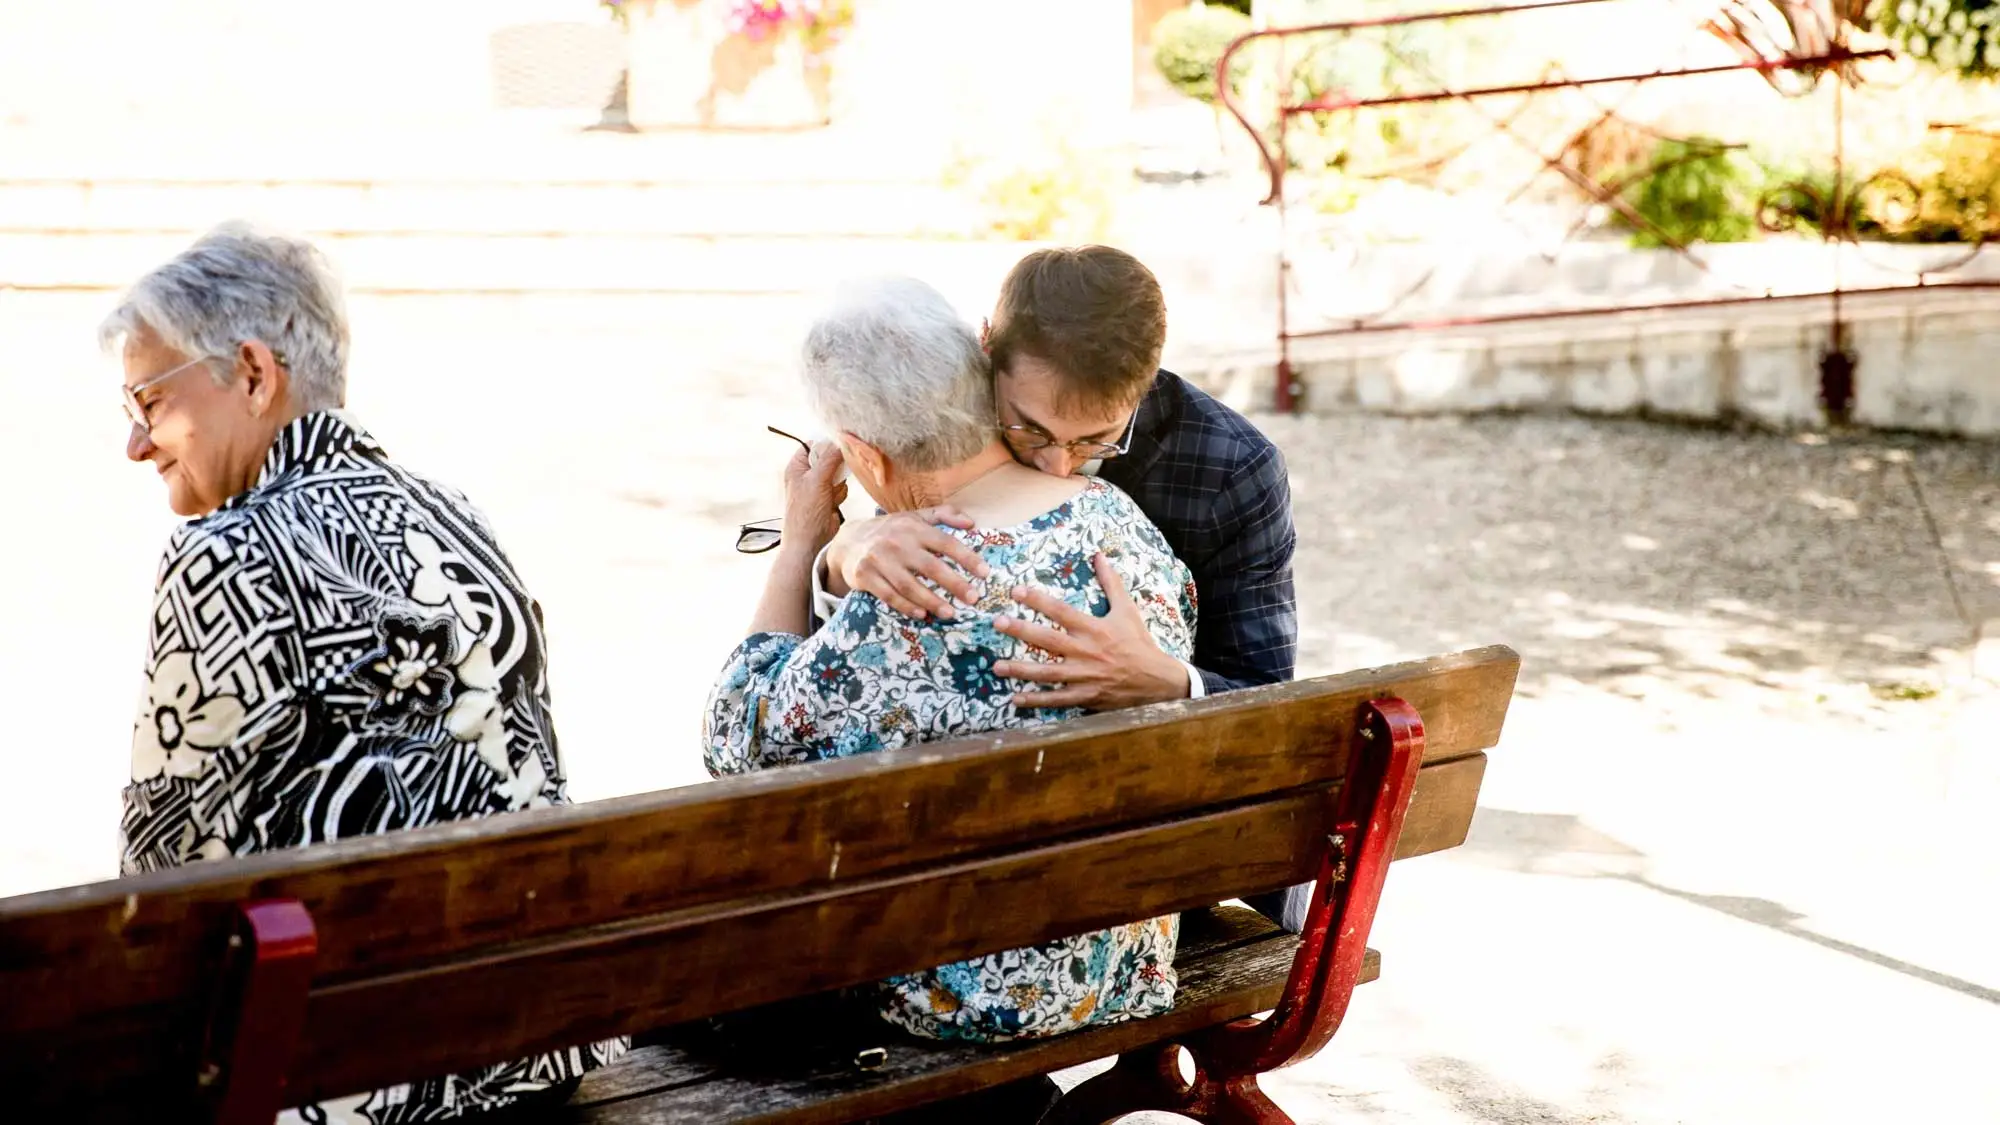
(263, 378)
(985, 335)
(864, 458)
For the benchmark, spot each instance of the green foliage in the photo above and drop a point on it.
(1958, 183)
(1318, 140)
(1695, 190)
(1960, 36)
(1336, 194)
(1805, 198)
(1188, 46)
(1360, 66)
(1055, 193)
(1948, 190)
(1416, 142)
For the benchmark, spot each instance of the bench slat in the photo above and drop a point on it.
(1233, 964)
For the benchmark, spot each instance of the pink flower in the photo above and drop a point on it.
(759, 18)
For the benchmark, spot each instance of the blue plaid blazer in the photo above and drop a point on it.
(1218, 490)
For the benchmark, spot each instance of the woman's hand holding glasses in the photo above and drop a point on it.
(814, 491)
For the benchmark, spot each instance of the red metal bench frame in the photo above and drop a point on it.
(1368, 820)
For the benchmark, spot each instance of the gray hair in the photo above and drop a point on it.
(893, 364)
(237, 284)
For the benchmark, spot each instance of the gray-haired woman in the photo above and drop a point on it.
(338, 646)
(902, 380)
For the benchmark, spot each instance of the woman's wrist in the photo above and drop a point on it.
(799, 555)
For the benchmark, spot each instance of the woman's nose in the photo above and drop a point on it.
(139, 445)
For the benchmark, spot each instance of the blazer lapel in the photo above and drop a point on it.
(1155, 419)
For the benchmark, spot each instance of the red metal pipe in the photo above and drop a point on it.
(1426, 17)
(1830, 58)
(1361, 328)
(1223, 93)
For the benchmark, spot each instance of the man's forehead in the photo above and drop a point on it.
(1072, 422)
(1039, 401)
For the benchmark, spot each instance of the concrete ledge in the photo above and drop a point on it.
(1925, 363)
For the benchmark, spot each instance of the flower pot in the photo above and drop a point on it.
(686, 68)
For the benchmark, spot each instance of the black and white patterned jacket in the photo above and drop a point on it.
(343, 649)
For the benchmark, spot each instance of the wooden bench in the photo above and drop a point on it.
(221, 991)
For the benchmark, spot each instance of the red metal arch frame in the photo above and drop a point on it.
(1820, 46)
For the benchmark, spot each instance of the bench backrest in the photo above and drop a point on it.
(447, 947)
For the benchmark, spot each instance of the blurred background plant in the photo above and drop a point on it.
(1188, 45)
(1053, 190)
(1959, 36)
(1693, 190)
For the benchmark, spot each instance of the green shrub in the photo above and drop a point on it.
(1188, 46)
(1960, 36)
(1415, 141)
(1696, 190)
(1957, 176)
(1054, 192)
(1948, 190)
(1809, 198)
(1803, 197)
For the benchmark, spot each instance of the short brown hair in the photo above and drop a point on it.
(1094, 313)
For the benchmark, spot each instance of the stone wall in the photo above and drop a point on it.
(1926, 356)
(1925, 362)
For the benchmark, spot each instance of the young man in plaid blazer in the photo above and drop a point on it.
(1076, 339)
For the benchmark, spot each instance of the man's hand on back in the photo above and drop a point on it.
(891, 556)
(1103, 663)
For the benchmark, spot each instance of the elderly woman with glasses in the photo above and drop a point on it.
(338, 646)
(904, 383)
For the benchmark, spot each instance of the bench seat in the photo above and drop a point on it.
(1232, 963)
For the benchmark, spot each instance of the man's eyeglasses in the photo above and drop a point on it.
(1027, 439)
(760, 536)
(135, 409)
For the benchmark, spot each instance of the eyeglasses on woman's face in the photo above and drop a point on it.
(139, 410)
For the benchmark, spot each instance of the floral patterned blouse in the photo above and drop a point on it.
(871, 679)
(343, 649)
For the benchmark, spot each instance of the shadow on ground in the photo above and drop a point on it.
(1565, 845)
(1637, 557)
